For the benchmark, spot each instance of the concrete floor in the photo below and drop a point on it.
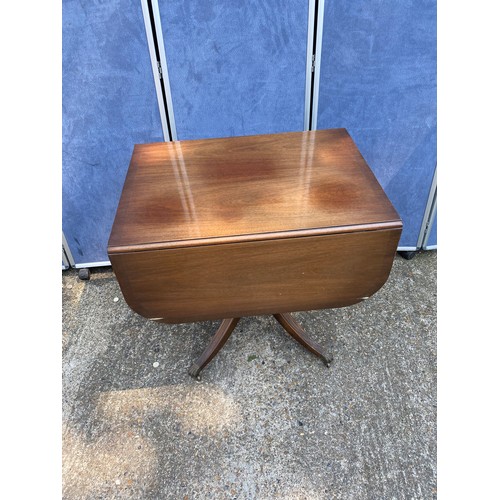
(268, 420)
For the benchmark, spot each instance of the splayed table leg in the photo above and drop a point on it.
(218, 340)
(297, 332)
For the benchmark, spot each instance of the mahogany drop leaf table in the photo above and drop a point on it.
(242, 226)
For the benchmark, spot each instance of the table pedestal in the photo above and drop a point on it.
(227, 326)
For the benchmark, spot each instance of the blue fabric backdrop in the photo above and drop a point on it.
(236, 67)
(432, 241)
(378, 80)
(109, 104)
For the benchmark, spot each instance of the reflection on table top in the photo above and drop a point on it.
(229, 189)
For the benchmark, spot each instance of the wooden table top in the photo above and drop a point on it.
(198, 192)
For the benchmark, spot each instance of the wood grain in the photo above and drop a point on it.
(190, 193)
(263, 277)
(225, 228)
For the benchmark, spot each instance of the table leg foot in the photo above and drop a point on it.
(194, 371)
(218, 340)
(297, 332)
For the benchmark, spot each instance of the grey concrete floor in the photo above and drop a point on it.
(268, 419)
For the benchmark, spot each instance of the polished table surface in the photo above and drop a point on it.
(246, 189)
(270, 224)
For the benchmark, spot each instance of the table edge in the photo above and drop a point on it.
(220, 240)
